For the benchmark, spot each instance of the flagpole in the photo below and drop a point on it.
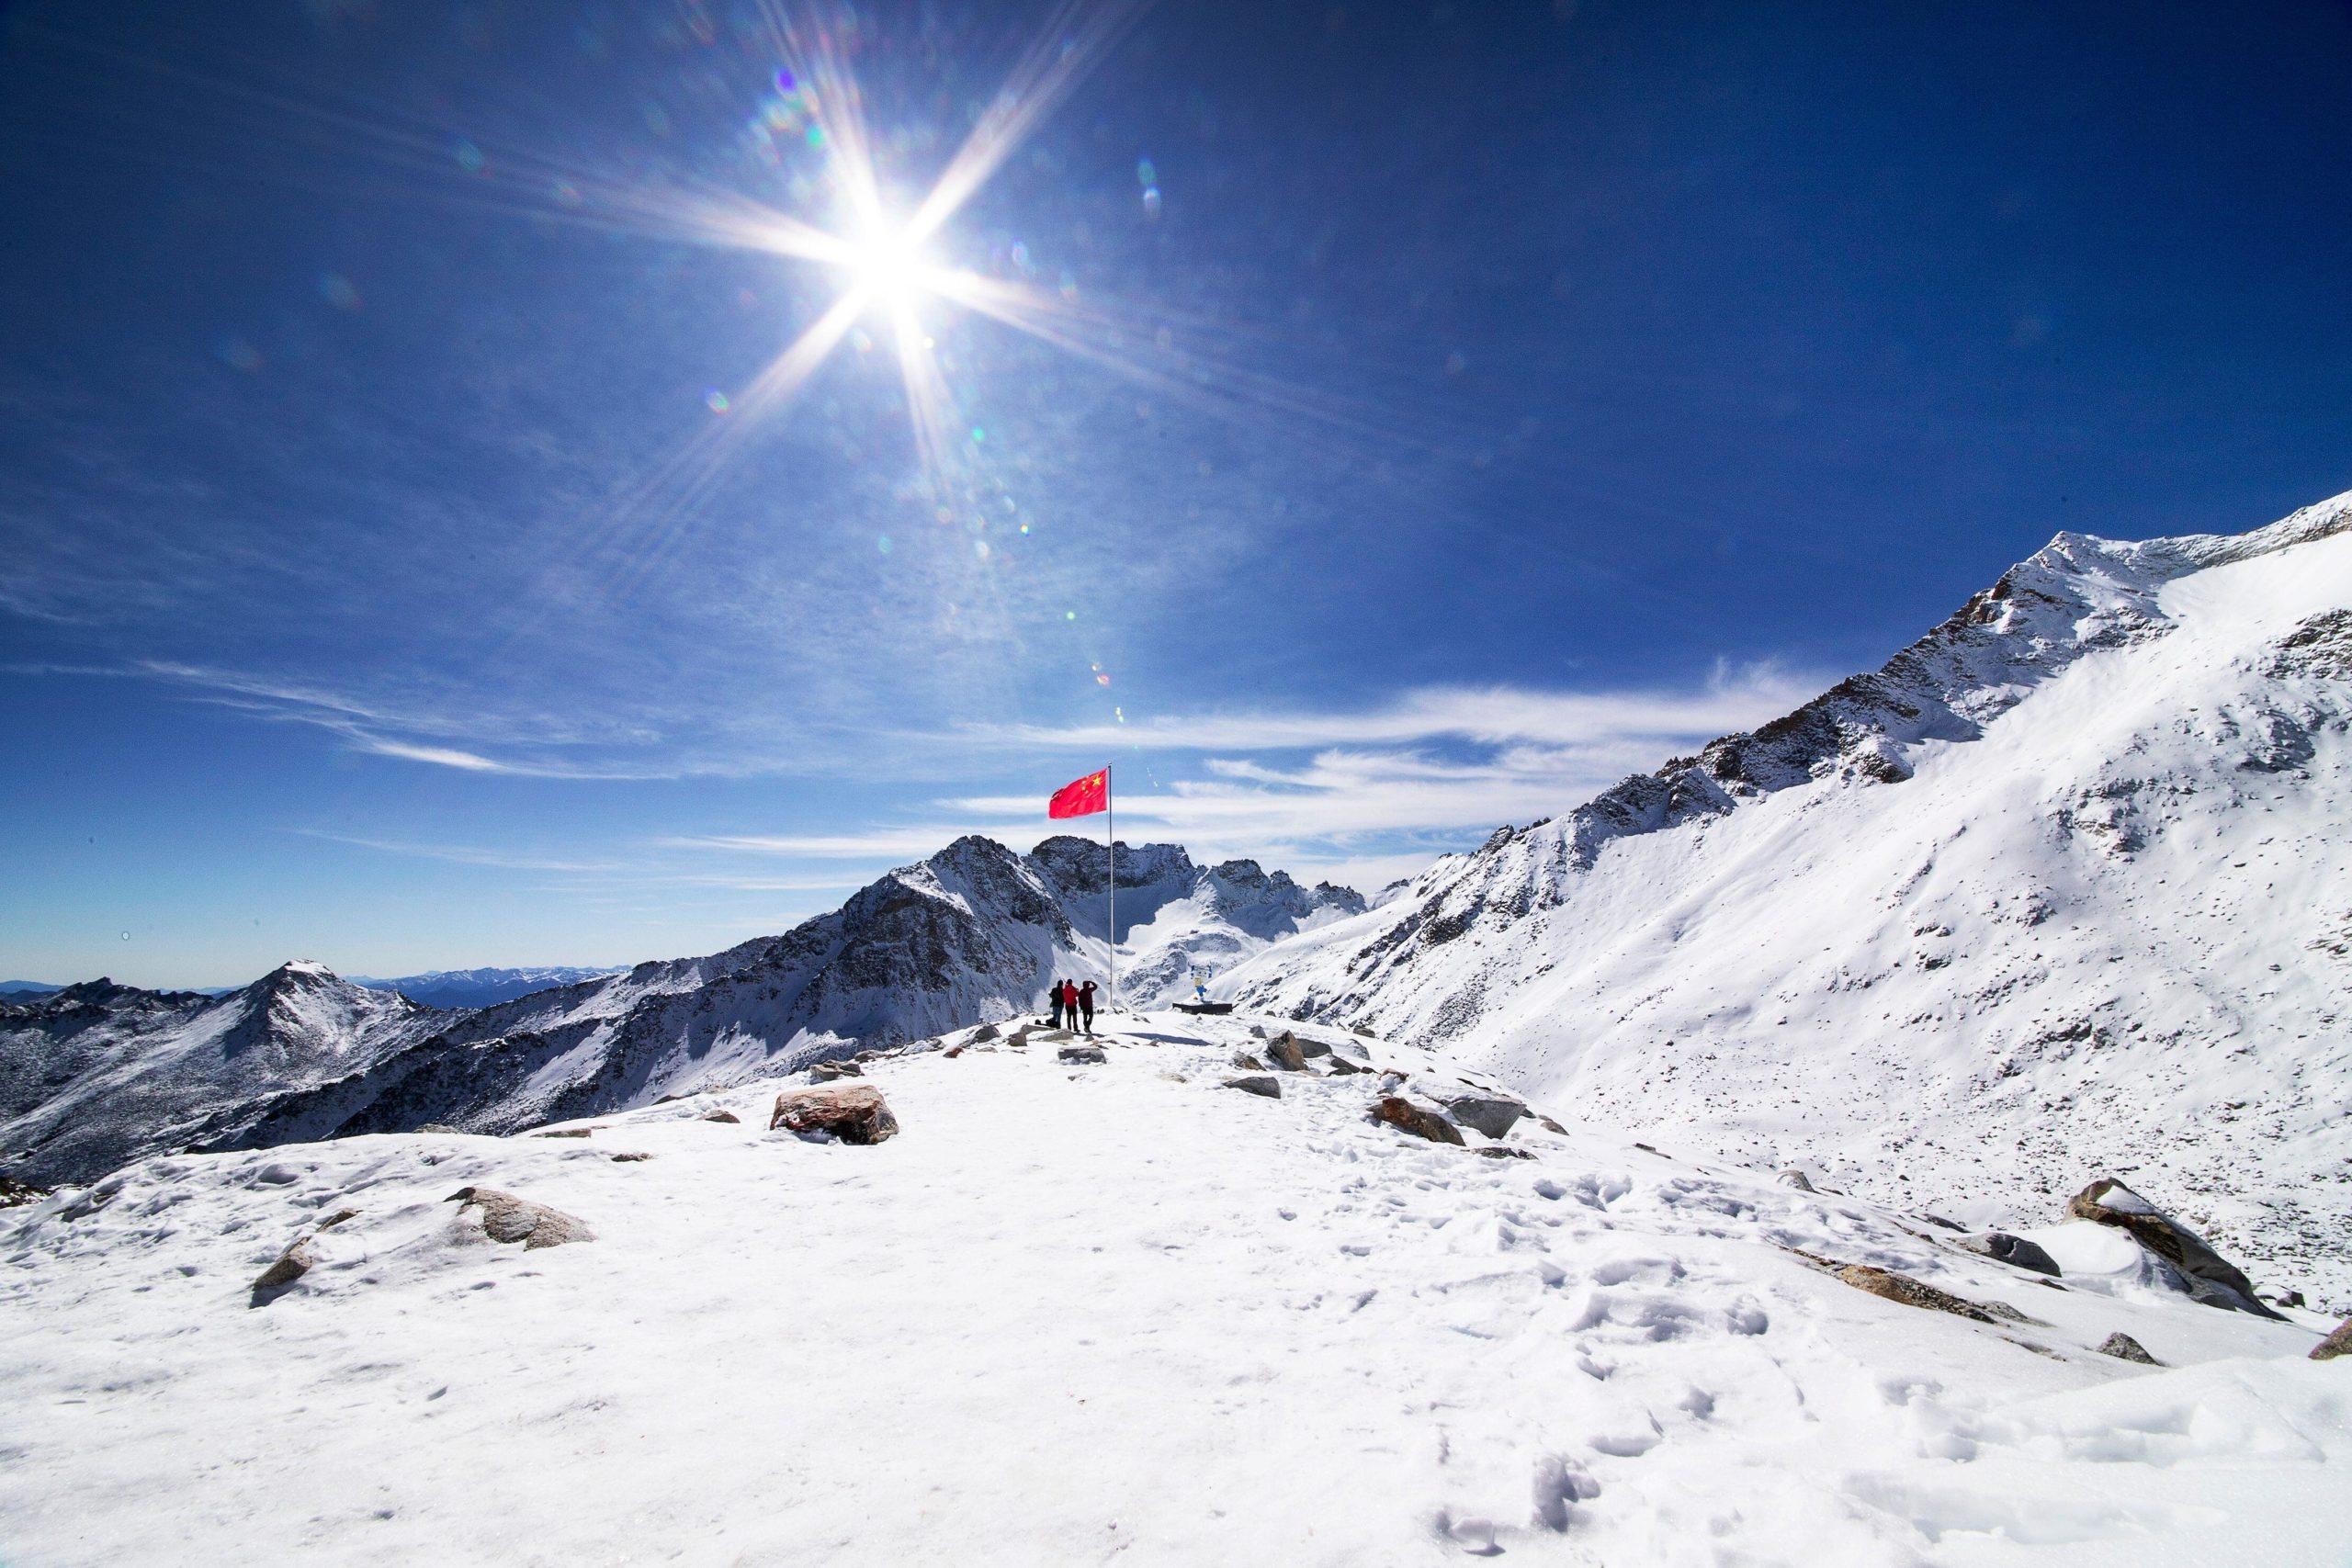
(1111, 843)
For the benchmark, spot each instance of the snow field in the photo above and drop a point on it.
(1074, 1314)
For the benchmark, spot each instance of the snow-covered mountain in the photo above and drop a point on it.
(98, 1073)
(2066, 885)
(480, 988)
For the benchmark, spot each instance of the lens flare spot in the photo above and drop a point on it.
(1024, 527)
(1102, 679)
(238, 354)
(567, 194)
(716, 401)
(814, 136)
(338, 291)
(883, 544)
(469, 157)
(979, 437)
(981, 548)
(1069, 614)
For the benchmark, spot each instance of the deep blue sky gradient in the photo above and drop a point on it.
(1686, 353)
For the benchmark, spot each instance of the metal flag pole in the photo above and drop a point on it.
(1111, 843)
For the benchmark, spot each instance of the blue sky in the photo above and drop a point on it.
(1442, 410)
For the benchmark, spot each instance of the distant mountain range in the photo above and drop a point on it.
(480, 988)
(97, 1074)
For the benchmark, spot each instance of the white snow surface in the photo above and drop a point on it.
(1076, 1313)
(2073, 900)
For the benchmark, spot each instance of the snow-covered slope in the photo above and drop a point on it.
(2065, 887)
(98, 1073)
(1115, 1313)
(479, 987)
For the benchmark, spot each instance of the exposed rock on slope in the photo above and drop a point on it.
(2064, 887)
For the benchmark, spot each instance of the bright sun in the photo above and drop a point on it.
(890, 267)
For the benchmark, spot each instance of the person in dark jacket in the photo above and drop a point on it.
(1054, 998)
(1086, 1005)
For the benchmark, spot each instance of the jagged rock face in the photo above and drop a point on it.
(2058, 887)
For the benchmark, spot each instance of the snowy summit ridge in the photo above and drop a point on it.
(2062, 885)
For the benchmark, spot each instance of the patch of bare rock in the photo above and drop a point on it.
(851, 1113)
(1407, 1117)
(504, 1217)
(2209, 1276)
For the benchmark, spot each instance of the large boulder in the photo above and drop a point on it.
(1407, 1117)
(2212, 1278)
(854, 1113)
(2013, 1250)
(504, 1217)
(2123, 1348)
(1283, 1051)
(2338, 1343)
(1488, 1113)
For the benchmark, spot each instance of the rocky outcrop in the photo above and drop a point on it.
(851, 1113)
(1491, 1115)
(2212, 1278)
(2338, 1343)
(1903, 1288)
(2013, 1250)
(1283, 1051)
(1407, 1117)
(291, 1264)
(2123, 1348)
(504, 1217)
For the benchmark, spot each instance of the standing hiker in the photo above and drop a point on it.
(1086, 1005)
(1054, 998)
(1070, 1005)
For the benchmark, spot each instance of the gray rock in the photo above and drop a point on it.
(15, 1194)
(291, 1264)
(1312, 1048)
(2338, 1343)
(1407, 1117)
(2013, 1250)
(1340, 1066)
(826, 1072)
(852, 1113)
(445, 1127)
(1359, 1029)
(1551, 1126)
(565, 1132)
(1504, 1151)
(504, 1217)
(1260, 1084)
(2212, 1278)
(722, 1115)
(2123, 1348)
(630, 1156)
(1488, 1113)
(1083, 1055)
(985, 1032)
(1257, 1031)
(1248, 1062)
(1796, 1179)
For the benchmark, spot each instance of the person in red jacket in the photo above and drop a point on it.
(1070, 1005)
(1086, 1005)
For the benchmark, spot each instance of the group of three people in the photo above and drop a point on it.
(1072, 1003)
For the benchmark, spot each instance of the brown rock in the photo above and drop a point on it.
(1407, 1117)
(291, 1264)
(722, 1116)
(2123, 1348)
(2212, 1279)
(2338, 1343)
(1283, 1052)
(1551, 1126)
(1261, 1084)
(1359, 1029)
(825, 1072)
(337, 1218)
(952, 1052)
(565, 1132)
(1909, 1291)
(631, 1157)
(507, 1218)
(855, 1114)
(1248, 1062)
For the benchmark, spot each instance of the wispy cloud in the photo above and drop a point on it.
(880, 843)
(1732, 697)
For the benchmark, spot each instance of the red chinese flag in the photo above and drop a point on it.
(1083, 797)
